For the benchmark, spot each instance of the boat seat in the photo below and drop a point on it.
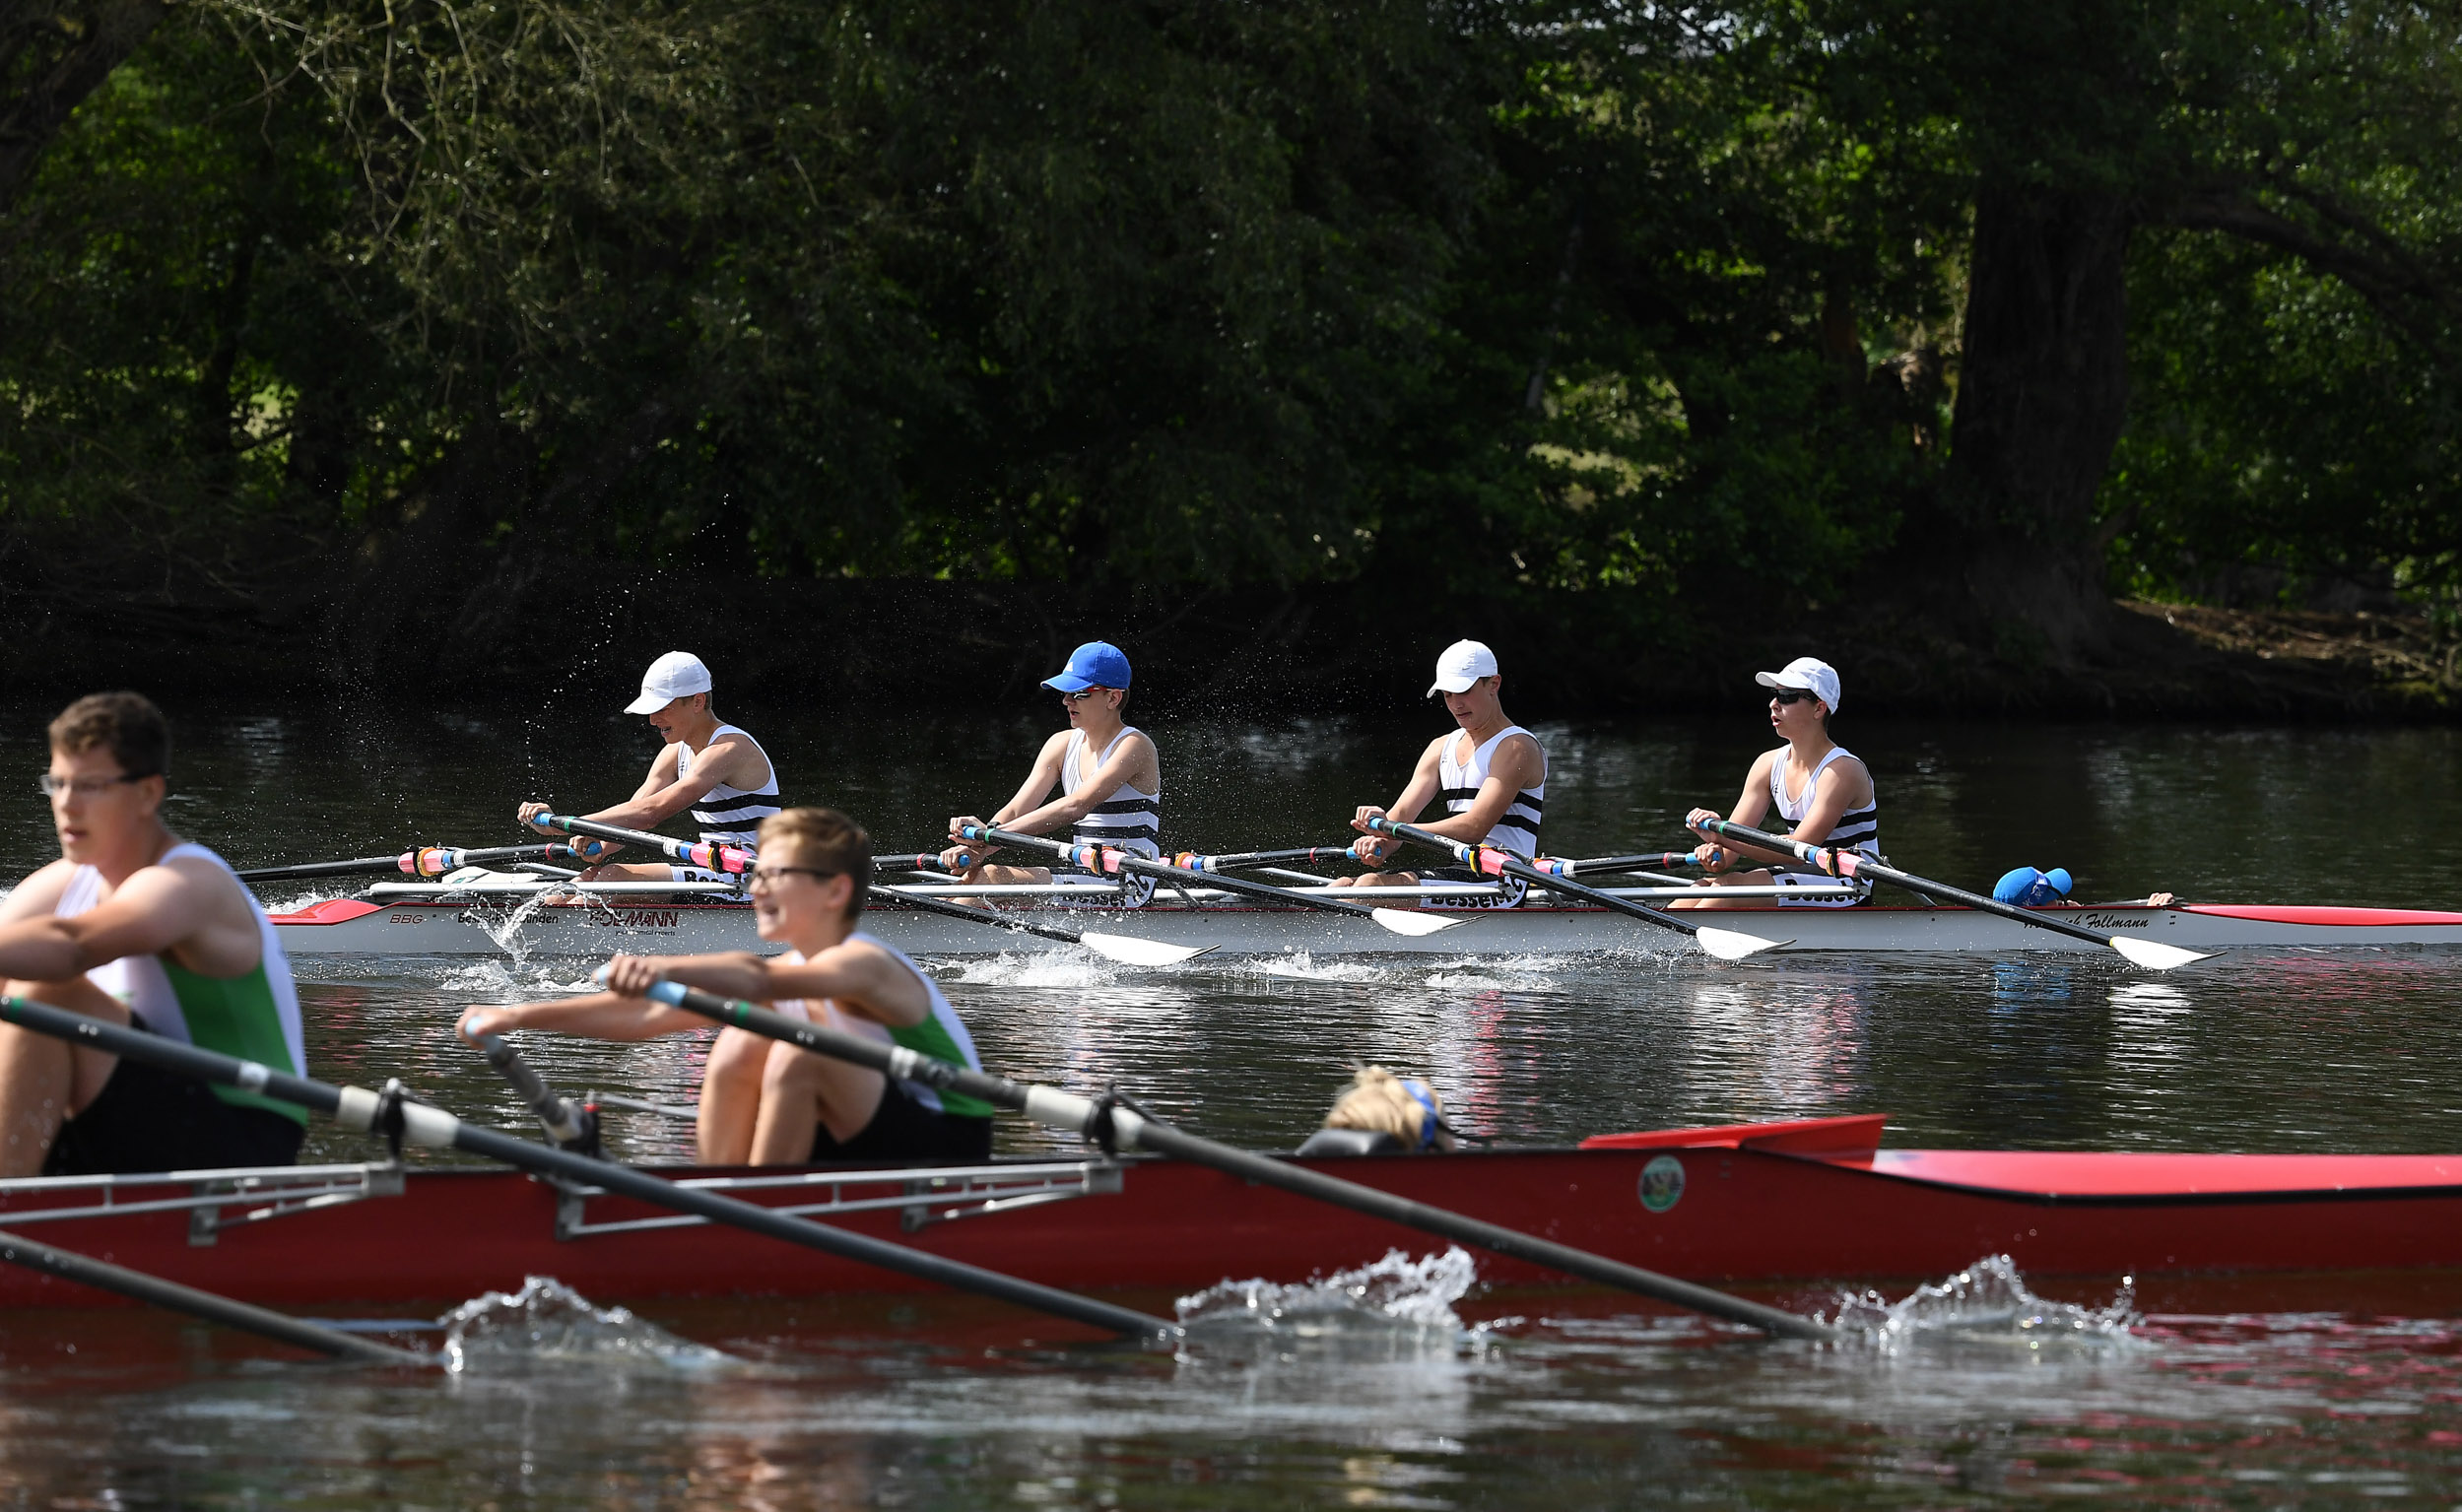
(1353, 1142)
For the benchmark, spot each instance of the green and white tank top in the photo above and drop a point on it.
(254, 1016)
(941, 1034)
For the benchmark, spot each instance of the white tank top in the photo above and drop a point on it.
(1857, 830)
(942, 1035)
(141, 982)
(732, 816)
(1129, 819)
(1458, 784)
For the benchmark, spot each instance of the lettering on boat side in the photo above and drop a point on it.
(637, 918)
(408, 918)
(2114, 921)
(1662, 1183)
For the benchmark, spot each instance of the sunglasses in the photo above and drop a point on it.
(83, 787)
(1791, 695)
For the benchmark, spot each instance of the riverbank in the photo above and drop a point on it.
(935, 644)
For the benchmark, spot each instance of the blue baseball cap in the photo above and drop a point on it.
(1096, 664)
(2030, 888)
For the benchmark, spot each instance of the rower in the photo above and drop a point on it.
(764, 1103)
(135, 926)
(1822, 791)
(716, 771)
(1380, 1114)
(1110, 781)
(1490, 775)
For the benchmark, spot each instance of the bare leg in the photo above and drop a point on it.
(45, 1082)
(731, 1097)
(1760, 879)
(991, 875)
(1383, 879)
(802, 1093)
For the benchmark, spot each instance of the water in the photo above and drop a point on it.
(1409, 1387)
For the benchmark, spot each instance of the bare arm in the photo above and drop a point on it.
(1416, 796)
(1837, 791)
(188, 909)
(1750, 807)
(1039, 782)
(1517, 764)
(38, 894)
(1126, 757)
(593, 1015)
(861, 979)
(728, 759)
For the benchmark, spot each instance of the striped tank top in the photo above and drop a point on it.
(1459, 782)
(1857, 830)
(255, 1016)
(732, 816)
(941, 1034)
(1128, 819)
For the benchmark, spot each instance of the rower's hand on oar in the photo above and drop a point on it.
(633, 976)
(1709, 858)
(481, 1019)
(1702, 820)
(958, 858)
(529, 814)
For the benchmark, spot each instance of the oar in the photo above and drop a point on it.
(390, 1114)
(1654, 861)
(698, 853)
(247, 1318)
(1099, 859)
(429, 861)
(1070, 1113)
(1127, 950)
(1241, 859)
(1724, 944)
(1847, 862)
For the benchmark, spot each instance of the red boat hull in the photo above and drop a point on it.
(1761, 1204)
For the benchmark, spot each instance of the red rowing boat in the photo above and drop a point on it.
(1812, 1201)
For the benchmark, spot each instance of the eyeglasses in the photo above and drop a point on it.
(1081, 695)
(771, 875)
(1790, 694)
(83, 787)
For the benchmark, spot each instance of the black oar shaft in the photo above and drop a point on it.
(401, 863)
(698, 853)
(355, 1108)
(1065, 1110)
(984, 916)
(1513, 866)
(1312, 854)
(170, 1296)
(1166, 872)
(1852, 864)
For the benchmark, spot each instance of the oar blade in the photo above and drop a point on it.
(1129, 950)
(1406, 921)
(1734, 944)
(2158, 958)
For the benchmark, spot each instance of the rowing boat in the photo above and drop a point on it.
(415, 920)
(1812, 1201)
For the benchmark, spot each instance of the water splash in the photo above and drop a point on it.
(1989, 1300)
(547, 1322)
(1393, 1306)
(1033, 968)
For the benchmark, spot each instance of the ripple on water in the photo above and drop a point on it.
(547, 1322)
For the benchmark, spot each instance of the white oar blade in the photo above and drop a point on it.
(1405, 921)
(1130, 951)
(1734, 945)
(2157, 957)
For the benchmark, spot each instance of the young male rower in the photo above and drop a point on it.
(1490, 775)
(767, 1103)
(1109, 777)
(135, 926)
(1818, 786)
(714, 769)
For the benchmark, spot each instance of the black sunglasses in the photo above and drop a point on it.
(1791, 695)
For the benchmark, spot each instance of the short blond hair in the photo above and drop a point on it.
(1381, 1103)
(824, 841)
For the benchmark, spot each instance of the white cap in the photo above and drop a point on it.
(675, 674)
(1463, 663)
(1809, 673)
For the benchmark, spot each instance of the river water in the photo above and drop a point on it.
(2288, 1392)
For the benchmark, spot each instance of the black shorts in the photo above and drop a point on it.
(148, 1119)
(902, 1129)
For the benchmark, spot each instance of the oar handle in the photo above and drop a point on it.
(1128, 1129)
(565, 1123)
(731, 859)
(418, 1123)
(1492, 862)
(1830, 858)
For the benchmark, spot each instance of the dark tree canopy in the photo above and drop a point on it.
(1994, 304)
